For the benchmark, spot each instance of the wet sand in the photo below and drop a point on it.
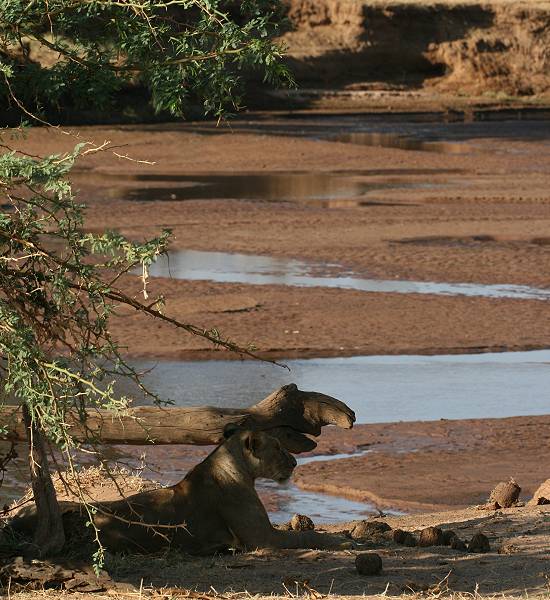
(285, 322)
(480, 217)
(436, 465)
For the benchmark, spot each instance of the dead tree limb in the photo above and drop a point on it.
(289, 413)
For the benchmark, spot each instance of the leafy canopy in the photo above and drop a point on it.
(59, 285)
(76, 52)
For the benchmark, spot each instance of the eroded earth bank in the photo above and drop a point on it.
(388, 54)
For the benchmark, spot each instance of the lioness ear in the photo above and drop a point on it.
(230, 429)
(252, 442)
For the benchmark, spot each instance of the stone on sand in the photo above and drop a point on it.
(479, 543)
(405, 538)
(505, 494)
(368, 529)
(301, 523)
(431, 536)
(368, 563)
(542, 495)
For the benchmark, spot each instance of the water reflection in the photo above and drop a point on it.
(316, 188)
(264, 270)
(322, 508)
(419, 128)
(394, 140)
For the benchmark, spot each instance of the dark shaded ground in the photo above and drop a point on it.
(405, 569)
(516, 564)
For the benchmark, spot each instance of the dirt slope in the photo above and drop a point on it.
(466, 47)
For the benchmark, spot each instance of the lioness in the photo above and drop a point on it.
(215, 507)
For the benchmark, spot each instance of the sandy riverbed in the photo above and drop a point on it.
(482, 216)
(477, 217)
(437, 465)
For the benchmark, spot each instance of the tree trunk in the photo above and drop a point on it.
(49, 537)
(288, 413)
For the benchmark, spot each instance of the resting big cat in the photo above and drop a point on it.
(215, 507)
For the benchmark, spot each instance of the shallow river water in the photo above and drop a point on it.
(265, 270)
(378, 388)
(422, 132)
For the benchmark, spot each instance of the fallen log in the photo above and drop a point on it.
(288, 413)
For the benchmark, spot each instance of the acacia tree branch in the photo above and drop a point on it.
(119, 296)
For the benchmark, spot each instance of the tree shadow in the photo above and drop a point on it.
(519, 538)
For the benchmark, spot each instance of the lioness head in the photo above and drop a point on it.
(265, 457)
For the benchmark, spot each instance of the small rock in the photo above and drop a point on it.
(448, 536)
(410, 540)
(479, 543)
(398, 536)
(505, 494)
(458, 544)
(301, 523)
(365, 529)
(542, 495)
(431, 536)
(405, 538)
(368, 563)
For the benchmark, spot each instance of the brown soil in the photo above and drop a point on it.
(515, 566)
(286, 321)
(431, 466)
